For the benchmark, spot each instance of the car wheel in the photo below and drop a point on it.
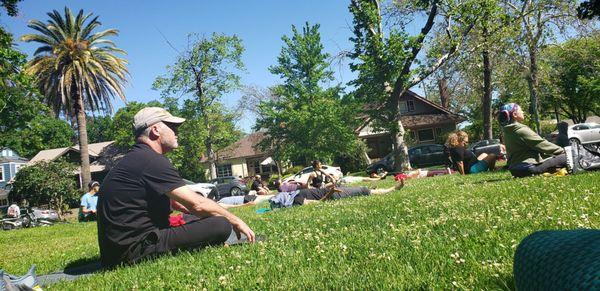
(575, 141)
(235, 191)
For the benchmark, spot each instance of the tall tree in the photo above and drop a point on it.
(206, 70)
(306, 120)
(541, 21)
(390, 61)
(25, 122)
(76, 69)
(572, 77)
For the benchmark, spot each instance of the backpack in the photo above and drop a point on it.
(583, 157)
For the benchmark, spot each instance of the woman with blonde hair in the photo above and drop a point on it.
(463, 159)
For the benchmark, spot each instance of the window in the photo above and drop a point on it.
(410, 104)
(438, 131)
(407, 106)
(1, 173)
(425, 135)
(254, 166)
(17, 168)
(223, 170)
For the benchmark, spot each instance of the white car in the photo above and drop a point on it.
(302, 176)
(584, 133)
(202, 188)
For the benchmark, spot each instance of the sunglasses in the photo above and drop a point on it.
(173, 126)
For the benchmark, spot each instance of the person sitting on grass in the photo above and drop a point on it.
(464, 160)
(528, 153)
(89, 201)
(134, 204)
(258, 186)
(318, 178)
(311, 195)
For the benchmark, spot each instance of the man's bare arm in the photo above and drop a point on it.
(201, 206)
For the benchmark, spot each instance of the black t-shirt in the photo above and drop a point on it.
(255, 185)
(460, 154)
(132, 201)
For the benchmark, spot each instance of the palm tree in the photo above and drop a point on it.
(76, 69)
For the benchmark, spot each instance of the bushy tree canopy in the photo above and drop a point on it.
(46, 183)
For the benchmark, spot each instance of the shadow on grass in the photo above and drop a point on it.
(83, 266)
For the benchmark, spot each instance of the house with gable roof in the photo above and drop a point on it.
(426, 122)
(10, 163)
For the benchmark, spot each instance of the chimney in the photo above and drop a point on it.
(444, 96)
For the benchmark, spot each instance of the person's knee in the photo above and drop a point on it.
(222, 228)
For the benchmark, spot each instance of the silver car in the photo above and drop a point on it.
(584, 133)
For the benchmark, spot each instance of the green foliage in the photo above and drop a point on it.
(573, 77)
(41, 133)
(306, 121)
(10, 6)
(203, 73)
(51, 183)
(25, 123)
(99, 128)
(407, 239)
(74, 62)
(589, 9)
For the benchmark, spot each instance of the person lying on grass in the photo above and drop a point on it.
(134, 201)
(242, 200)
(463, 159)
(311, 195)
(528, 153)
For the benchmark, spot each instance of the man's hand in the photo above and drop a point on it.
(201, 207)
(240, 227)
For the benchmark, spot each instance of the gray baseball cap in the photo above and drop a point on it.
(152, 115)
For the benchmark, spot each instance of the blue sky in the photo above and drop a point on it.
(260, 24)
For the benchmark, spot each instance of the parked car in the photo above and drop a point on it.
(584, 133)
(204, 189)
(425, 155)
(302, 176)
(488, 146)
(229, 186)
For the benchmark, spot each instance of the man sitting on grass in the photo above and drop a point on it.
(311, 195)
(134, 201)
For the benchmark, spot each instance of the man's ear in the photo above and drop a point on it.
(154, 132)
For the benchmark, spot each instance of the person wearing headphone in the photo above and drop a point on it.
(528, 153)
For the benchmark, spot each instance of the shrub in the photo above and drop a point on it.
(50, 183)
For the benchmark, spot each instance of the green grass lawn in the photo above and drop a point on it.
(437, 233)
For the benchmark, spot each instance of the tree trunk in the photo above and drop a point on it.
(487, 92)
(533, 87)
(86, 176)
(401, 160)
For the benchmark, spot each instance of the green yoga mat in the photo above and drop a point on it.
(558, 260)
